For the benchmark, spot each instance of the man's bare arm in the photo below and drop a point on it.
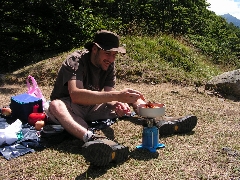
(79, 95)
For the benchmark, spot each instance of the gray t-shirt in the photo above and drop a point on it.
(79, 66)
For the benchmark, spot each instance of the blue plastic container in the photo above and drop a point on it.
(22, 105)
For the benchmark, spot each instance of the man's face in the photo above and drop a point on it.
(101, 58)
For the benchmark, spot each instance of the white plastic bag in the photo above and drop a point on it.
(9, 134)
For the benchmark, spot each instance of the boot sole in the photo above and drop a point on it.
(121, 153)
(101, 154)
(183, 125)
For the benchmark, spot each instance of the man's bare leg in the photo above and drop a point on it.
(74, 124)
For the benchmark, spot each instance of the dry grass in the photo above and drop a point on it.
(196, 155)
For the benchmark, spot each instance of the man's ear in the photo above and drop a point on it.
(94, 48)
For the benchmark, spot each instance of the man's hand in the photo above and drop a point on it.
(130, 96)
(122, 109)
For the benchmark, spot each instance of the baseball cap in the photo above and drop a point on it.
(107, 41)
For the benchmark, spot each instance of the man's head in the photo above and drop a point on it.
(104, 48)
(106, 40)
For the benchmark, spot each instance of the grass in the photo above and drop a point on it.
(196, 155)
(165, 59)
(157, 59)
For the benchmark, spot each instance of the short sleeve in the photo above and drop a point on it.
(70, 66)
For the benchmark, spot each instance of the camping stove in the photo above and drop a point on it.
(150, 136)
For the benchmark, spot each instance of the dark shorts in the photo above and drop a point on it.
(87, 113)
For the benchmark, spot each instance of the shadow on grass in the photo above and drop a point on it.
(74, 146)
(7, 91)
(95, 171)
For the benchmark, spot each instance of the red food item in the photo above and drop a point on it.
(34, 117)
(149, 105)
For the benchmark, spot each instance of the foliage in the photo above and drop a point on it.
(149, 59)
(32, 30)
(37, 26)
(221, 43)
(162, 58)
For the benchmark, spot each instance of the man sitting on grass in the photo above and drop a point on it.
(84, 91)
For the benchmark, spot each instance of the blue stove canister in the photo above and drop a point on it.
(150, 137)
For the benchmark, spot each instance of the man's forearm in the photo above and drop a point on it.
(88, 97)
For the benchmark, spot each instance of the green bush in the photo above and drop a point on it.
(35, 29)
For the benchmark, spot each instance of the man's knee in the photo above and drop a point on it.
(56, 107)
(55, 104)
(54, 110)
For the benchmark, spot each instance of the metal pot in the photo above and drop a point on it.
(157, 110)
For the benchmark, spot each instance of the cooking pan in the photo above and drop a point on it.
(151, 110)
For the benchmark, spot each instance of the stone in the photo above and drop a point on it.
(227, 83)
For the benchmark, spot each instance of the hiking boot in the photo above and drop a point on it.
(174, 125)
(100, 151)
